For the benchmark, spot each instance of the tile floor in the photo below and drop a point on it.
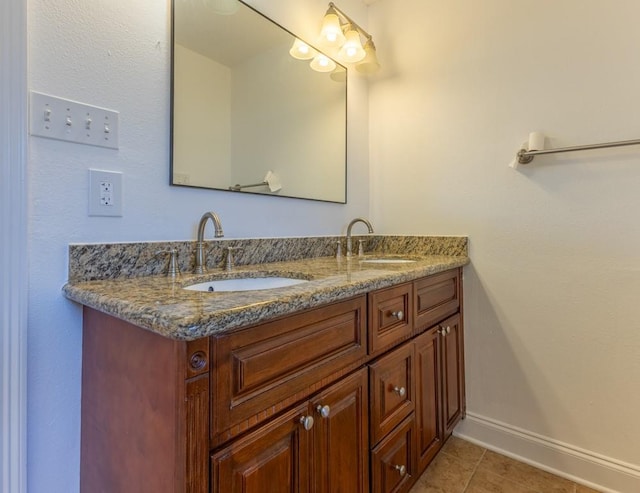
(462, 467)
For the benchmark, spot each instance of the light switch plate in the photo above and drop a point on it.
(63, 119)
(105, 193)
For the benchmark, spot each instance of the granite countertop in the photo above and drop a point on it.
(160, 304)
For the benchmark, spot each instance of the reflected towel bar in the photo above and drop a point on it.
(525, 156)
(238, 187)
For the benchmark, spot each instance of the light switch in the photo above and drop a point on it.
(62, 119)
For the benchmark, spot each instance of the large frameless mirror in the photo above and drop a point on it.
(247, 116)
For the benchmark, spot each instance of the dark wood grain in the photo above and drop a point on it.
(394, 370)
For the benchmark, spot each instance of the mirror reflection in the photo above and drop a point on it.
(247, 116)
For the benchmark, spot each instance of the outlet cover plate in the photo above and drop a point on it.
(105, 193)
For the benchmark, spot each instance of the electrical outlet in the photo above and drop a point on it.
(105, 193)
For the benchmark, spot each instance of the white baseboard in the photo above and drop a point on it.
(582, 466)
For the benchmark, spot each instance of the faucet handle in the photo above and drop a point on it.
(174, 268)
(229, 262)
(360, 248)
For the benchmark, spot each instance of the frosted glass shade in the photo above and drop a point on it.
(339, 74)
(302, 51)
(369, 64)
(322, 63)
(331, 31)
(352, 50)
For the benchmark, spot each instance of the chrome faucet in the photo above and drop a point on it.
(200, 260)
(356, 220)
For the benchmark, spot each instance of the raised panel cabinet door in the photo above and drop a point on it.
(429, 427)
(275, 458)
(393, 461)
(453, 372)
(341, 449)
(392, 390)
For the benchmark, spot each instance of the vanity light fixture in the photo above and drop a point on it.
(352, 50)
(302, 51)
(341, 33)
(331, 31)
(322, 63)
(369, 64)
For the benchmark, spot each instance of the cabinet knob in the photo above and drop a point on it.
(307, 422)
(399, 314)
(324, 411)
(445, 330)
(402, 470)
(401, 391)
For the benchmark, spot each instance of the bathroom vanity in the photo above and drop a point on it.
(348, 383)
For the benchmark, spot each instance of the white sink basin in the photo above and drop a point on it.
(244, 284)
(387, 260)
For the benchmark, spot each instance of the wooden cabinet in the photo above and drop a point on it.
(392, 390)
(453, 401)
(393, 460)
(261, 370)
(430, 429)
(275, 458)
(437, 297)
(320, 446)
(341, 436)
(390, 317)
(353, 396)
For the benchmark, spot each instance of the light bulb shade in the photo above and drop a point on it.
(339, 74)
(222, 7)
(301, 50)
(369, 64)
(322, 63)
(331, 31)
(352, 50)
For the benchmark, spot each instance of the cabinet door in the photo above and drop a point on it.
(274, 458)
(429, 427)
(393, 466)
(453, 372)
(341, 450)
(392, 388)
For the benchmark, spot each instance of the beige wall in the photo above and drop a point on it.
(552, 312)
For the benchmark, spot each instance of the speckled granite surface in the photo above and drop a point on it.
(110, 278)
(116, 260)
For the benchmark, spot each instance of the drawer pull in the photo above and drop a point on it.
(307, 422)
(324, 411)
(401, 391)
(399, 314)
(402, 470)
(445, 330)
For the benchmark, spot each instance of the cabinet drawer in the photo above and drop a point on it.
(436, 297)
(390, 316)
(392, 390)
(260, 370)
(393, 461)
